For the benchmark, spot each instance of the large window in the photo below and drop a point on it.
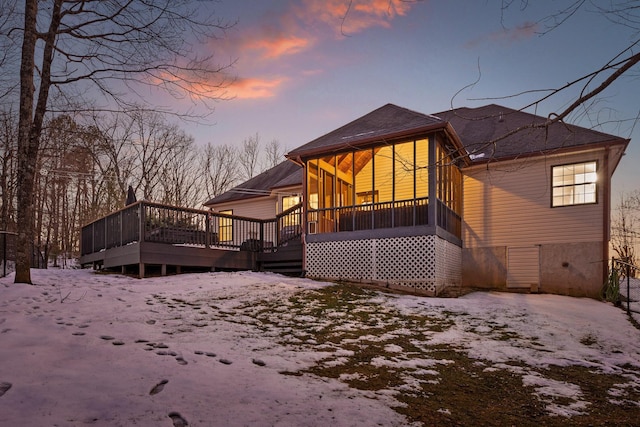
(574, 184)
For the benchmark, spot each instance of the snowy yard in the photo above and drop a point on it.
(630, 291)
(252, 349)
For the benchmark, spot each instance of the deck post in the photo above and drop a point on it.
(207, 231)
(142, 221)
(261, 246)
(163, 270)
(141, 270)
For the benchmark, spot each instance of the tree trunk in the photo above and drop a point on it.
(30, 127)
(26, 165)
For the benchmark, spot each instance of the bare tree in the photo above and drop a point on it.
(248, 157)
(110, 136)
(8, 148)
(274, 154)
(625, 227)
(584, 89)
(179, 173)
(8, 55)
(103, 47)
(218, 169)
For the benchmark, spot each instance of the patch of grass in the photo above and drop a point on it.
(372, 347)
(599, 389)
(588, 340)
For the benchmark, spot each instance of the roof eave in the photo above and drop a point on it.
(300, 155)
(562, 150)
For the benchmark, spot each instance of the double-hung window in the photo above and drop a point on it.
(574, 184)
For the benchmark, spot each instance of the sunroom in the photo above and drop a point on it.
(383, 201)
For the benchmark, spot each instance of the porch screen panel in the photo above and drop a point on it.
(326, 220)
(363, 168)
(383, 174)
(404, 185)
(422, 168)
(313, 194)
(404, 167)
(327, 172)
(383, 185)
(344, 173)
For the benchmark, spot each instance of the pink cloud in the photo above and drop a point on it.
(353, 16)
(277, 46)
(254, 88)
(523, 31)
(269, 47)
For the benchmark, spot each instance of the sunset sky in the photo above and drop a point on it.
(306, 67)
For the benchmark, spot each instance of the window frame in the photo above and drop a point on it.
(574, 185)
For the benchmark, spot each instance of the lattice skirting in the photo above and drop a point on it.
(425, 264)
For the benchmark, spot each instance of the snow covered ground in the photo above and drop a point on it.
(81, 348)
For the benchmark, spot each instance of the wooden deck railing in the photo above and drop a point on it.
(370, 217)
(154, 222)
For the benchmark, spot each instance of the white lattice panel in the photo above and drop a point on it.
(425, 263)
(448, 264)
(340, 260)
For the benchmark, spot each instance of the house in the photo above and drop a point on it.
(263, 196)
(482, 197)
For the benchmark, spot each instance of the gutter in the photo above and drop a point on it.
(297, 156)
(606, 216)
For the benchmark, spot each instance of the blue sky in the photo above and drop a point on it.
(302, 70)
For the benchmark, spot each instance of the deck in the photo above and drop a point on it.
(148, 238)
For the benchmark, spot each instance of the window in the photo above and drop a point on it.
(226, 227)
(574, 184)
(290, 201)
(293, 218)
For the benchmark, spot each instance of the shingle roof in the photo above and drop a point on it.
(282, 175)
(386, 122)
(477, 128)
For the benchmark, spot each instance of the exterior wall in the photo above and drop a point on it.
(570, 268)
(258, 207)
(423, 264)
(508, 205)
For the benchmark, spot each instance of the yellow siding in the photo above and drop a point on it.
(509, 204)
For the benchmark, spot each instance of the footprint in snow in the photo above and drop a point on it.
(158, 387)
(178, 420)
(4, 387)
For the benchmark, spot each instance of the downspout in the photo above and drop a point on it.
(303, 220)
(606, 217)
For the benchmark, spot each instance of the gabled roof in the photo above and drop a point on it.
(385, 123)
(282, 175)
(478, 129)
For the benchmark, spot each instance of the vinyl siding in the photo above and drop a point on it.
(258, 208)
(509, 204)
